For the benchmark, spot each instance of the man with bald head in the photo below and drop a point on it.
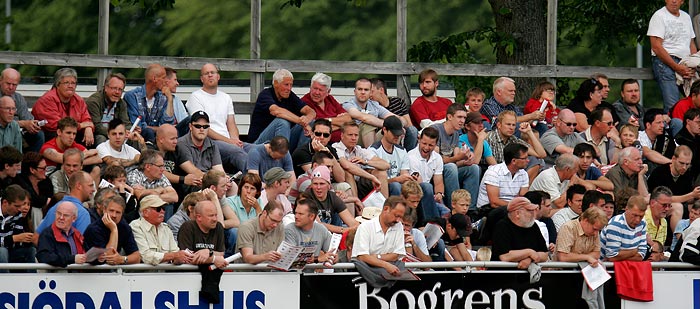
(166, 142)
(10, 134)
(149, 103)
(223, 129)
(62, 244)
(9, 80)
(561, 138)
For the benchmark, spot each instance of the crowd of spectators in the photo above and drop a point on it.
(141, 177)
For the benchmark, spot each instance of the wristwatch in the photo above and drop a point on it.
(211, 253)
(126, 259)
(379, 256)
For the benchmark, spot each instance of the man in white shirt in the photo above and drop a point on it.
(671, 36)
(555, 180)
(504, 181)
(379, 244)
(116, 151)
(427, 165)
(574, 201)
(219, 106)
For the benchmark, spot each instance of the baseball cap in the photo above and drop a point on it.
(199, 115)
(393, 124)
(275, 174)
(473, 117)
(322, 172)
(151, 201)
(521, 202)
(368, 213)
(461, 224)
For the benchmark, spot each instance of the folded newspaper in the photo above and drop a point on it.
(293, 256)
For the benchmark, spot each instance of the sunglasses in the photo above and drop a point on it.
(158, 209)
(201, 126)
(319, 134)
(570, 124)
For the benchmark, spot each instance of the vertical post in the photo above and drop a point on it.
(640, 60)
(103, 40)
(257, 80)
(403, 82)
(8, 26)
(552, 36)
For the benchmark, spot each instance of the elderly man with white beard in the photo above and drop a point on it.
(518, 239)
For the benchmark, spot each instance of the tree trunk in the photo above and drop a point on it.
(526, 22)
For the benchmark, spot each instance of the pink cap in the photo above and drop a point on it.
(322, 172)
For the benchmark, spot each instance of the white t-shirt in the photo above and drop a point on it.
(426, 168)
(676, 31)
(127, 152)
(644, 140)
(218, 106)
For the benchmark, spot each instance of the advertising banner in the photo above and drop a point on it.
(494, 290)
(146, 291)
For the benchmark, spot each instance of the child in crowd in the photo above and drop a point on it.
(475, 99)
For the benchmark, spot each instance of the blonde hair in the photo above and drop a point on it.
(483, 254)
(460, 194)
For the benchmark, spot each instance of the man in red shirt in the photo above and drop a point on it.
(65, 138)
(325, 105)
(429, 108)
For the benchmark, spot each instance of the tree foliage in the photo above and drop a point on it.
(613, 23)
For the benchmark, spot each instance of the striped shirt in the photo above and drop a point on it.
(508, 185)
(617, 235)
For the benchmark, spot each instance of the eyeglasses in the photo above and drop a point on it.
(319, 134)
(158, 166)
(665, 205)
(523, 158)
(609, 123)
(62, 215)
(569, 124)
(40, 167)
(210, 73)
(9, 109)
(273, 220)
(158, 209)
(117, 89)
(201, 126)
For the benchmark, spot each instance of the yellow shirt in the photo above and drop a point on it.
(656, 232)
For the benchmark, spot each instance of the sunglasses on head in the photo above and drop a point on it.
(200, 126)
(319, 134)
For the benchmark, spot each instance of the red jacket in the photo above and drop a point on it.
(50, 108)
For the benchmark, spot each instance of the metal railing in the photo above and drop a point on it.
(469, 266)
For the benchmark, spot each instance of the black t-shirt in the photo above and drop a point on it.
(507, 236)
(661, 176)
(191, 237)
(304, 154)
(329, 208)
